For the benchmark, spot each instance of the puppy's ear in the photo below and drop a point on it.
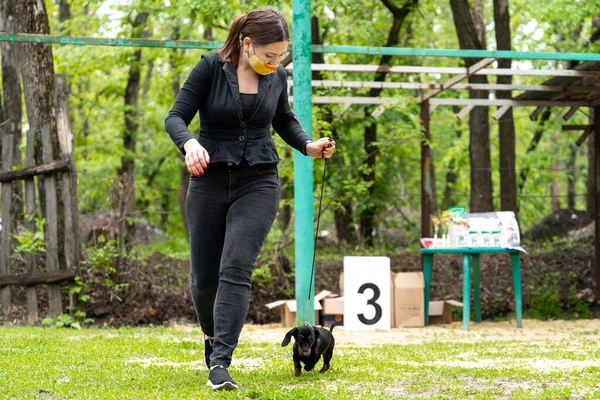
(316, 331)
(288, 337)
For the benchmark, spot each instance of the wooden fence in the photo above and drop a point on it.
(52, 168)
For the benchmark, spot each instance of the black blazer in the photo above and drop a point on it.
(212, 89)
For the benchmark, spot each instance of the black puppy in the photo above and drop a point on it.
(311, 342)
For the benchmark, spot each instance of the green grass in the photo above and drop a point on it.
(551, 360)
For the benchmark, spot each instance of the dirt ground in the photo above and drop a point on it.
(158, 291)
(158, 288)
(532, 332)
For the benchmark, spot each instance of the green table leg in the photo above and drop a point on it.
(515, 259)
(476, 287)
(427, 267)
(466, 291)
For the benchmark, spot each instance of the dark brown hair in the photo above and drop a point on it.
(263, 25)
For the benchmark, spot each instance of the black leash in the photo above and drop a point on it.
(312, 271)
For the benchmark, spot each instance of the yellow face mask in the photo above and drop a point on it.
(260, 67)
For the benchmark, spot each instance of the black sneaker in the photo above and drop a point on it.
(208, 349)
(219, 379)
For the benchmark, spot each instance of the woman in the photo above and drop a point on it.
(240, 91)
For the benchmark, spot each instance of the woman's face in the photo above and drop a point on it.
(271, 53)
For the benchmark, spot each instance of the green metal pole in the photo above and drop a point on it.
(303, 169)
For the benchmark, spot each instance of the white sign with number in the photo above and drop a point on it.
(366, 293)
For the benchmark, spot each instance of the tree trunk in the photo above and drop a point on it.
(149, 174)
(596, 29)
(12, 104)
(554, 188)
(479, 139)
(64, 14)
(479, 22)
(451, 176)
(537, 136)
(506, 124)
(343, 215)
(184, 174)
(367, 217)
(127, 170)
(37, 69)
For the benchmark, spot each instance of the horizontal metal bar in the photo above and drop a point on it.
(401, 51)
(346, 100)
(367, 50)
(447, 102)
(408, 69)
(503, 102)
(97, 41)
(459, 86)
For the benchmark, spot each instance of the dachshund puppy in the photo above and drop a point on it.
(311, 342)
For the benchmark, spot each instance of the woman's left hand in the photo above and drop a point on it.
(322, 148)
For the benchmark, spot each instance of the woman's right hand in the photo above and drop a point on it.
(196, 157)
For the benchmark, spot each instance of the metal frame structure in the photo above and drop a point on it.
(574, 88)
(561, 95)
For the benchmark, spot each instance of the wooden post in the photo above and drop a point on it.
(54, 297)
(30, 214)
(597, 192)
(6, 190)
(591, 182)
(571, 178)
(65, 139)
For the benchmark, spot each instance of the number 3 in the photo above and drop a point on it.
(371, 302)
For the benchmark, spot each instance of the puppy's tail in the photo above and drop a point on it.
(333, 326)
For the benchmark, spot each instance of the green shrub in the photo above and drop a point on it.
(545, 299)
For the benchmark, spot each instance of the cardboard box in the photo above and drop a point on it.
(392, 301)
(409, 299)
(333, 311)
(440, 312)
(333, 305)
(392, 313)
(287, 308)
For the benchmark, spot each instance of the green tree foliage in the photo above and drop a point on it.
(97, 78)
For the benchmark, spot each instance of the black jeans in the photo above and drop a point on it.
(230, 210)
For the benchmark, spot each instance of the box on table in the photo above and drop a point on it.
(287, 308)
(440, 312)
